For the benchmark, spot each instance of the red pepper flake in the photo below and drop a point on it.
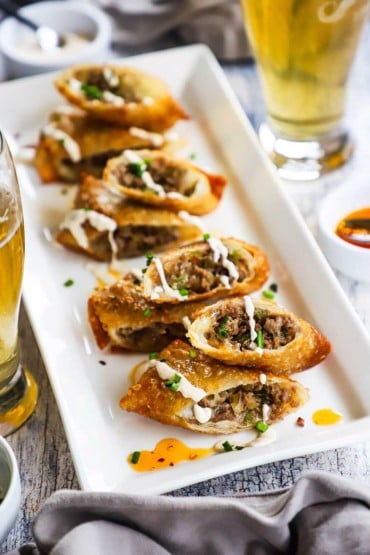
(161, 459)
(300, 422)
(172, 464)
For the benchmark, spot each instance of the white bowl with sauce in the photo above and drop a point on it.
(348, 258)
(86, 28)
(10, 489)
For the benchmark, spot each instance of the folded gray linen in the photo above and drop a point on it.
(217, 23)
(321, 514)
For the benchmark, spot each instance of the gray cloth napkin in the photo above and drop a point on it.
(217, 23)
(321, 514)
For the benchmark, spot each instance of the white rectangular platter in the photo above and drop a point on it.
(254, 208)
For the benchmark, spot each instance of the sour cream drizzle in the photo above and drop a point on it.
(249, 309)
(75, 219)
(202, 414)
(186, 388)
(221, 252)
(156, 139)
(69, 144)
(193, 220)
(165, 287)
(111, 98)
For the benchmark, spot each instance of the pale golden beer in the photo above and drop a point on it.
(18, 390)
(11, 271)
(304, 50)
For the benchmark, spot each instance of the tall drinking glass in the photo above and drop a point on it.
(304, 50)
(18, 390)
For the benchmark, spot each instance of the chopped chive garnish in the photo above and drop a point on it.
(261, 426)
(192, 156)
(268, 294)
(173, 384)
(138, 168)
(143, 271)
(91, 91)
(183, 292)
(206, 236)
(192, 354)
(222, 331)
(153, 356)
(227, 446)
(239, 447)
(68, 283)
(274, 287)
(87, 208)
(147, 312)
(61, 142)
(149, 256)
(259, 338)
(135, 457)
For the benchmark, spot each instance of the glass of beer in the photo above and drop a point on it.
(18, 390)
(304, 51)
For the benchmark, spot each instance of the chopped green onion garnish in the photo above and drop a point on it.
(173, 384)
(268, 294)
(227, 446)
(143, 271)
(61, 142)
(138, 168)
(192, 156)
(206, 236)
(222, 331)
(259, 339)
(274, 287)
(68, 283)
(192, 354)
(135, 457)
(176, 378)
(183, 292)
(87, 208)
(147, 312)
(149, 256)
(91, 91)
(153, 356)
(261, 426)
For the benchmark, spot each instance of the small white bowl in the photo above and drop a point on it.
(64, 17)
(351, 260)
(10, 489)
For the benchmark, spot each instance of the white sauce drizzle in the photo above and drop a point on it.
(186, 322)
(175, 195)
(70, 145)
(269, 436)
(111, 77)
(75, 219)
(156, 139)
(265, 412)
(137, 273)
(202, 414)
(193, 220)
(113, 99)
(221, 252)
(75, 85)
(148, 101)
(68, 110)
(166, 288)
(249, 309)
(263, 379)
(225, 281)
(186, 388)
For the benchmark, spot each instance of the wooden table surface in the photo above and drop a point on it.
(40, 446)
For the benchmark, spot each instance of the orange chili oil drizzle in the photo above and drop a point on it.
(326, 417)
(348, 233)
(166, 453)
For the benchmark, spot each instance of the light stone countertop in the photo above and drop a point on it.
(40, 446)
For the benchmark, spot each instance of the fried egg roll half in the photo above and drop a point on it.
(73, 143)
(120, 95)
(119, 315)
(183, 387)
(205, 269)
(258, 334)
(104, 225)
(158, 178)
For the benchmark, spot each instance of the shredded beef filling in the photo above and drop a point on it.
(199, 273)
(244, 403)
(169, 177)
(134, 240)
(233, 326)
(93, 165)
(152, 338)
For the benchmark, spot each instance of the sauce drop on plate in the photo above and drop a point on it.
(355, 228)
(166, 453)
(326, 417)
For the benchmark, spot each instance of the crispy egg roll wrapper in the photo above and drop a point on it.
(146, 100)
(139, 229)
(121, 316)
(192, 267)
(97, 141)
(289, 343)
(186, 186)
(234, 395)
